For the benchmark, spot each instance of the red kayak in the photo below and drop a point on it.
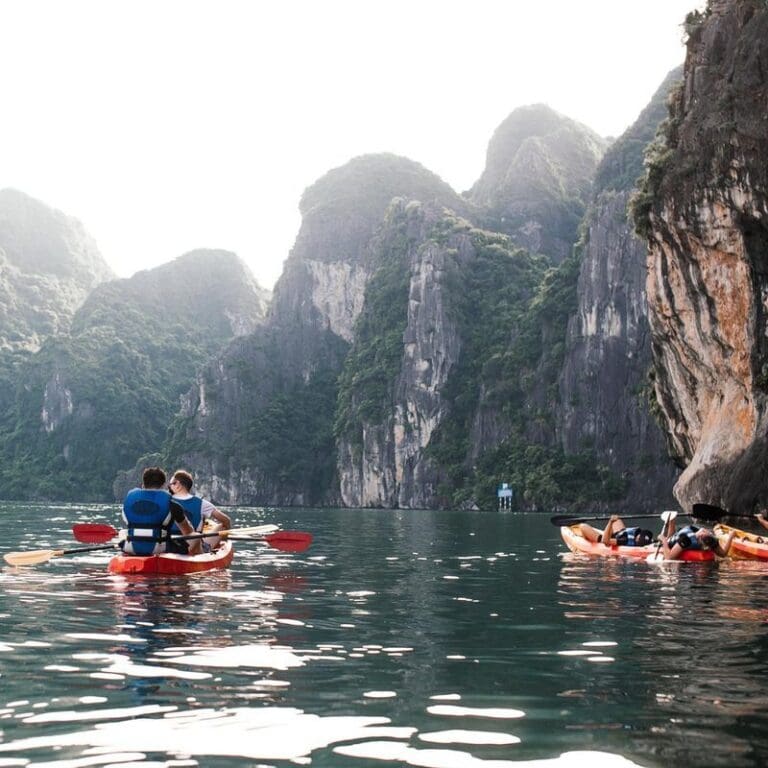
(171, 564)
(577, 543)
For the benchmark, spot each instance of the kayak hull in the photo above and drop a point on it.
(578, 544)
(745, 545)
(171, 564)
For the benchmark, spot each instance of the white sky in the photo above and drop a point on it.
(169, 125)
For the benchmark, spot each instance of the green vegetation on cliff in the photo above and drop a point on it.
(514, 312)
(510, 310)
(373, 362)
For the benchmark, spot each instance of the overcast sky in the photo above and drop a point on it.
(169, 125)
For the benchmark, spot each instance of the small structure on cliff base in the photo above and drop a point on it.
(505, 494)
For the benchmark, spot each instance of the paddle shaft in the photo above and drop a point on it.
(289, 541)
(560, 520)
(99, 533)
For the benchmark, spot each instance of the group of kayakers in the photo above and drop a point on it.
(156, 514)
(672, 542)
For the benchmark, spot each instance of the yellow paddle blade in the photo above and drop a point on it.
(35, 557)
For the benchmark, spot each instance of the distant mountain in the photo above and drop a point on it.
(258, 426)
(537, 180)
(48, 265)
(91, 402)
(397, 327)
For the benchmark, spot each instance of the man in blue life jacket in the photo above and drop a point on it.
(149, 514)
(197, 509)
(692, 537)
(617, 533)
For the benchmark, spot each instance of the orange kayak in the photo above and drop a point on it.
(577, 543)
(745, 545)
(172, 564)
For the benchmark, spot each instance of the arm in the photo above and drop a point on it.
(177, 512)
(609, 529)
(722, 549)
(670, 553)
(223, 518)
(761, 519)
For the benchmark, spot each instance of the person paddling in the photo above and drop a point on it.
(149, 513)
(197, 509)
(616, 532)
(692, 537)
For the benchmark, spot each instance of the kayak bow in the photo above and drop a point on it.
(745, 545)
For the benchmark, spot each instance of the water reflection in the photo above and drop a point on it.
(414, 638)
(696, 659)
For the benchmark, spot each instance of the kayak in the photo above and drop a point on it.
(745, 545)
(172, 564)
(578, 544)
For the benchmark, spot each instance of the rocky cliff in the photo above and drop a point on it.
(604, 403)
(389, 412)
(258, 425)
(704, 210)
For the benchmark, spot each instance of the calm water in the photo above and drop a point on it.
(456, 640)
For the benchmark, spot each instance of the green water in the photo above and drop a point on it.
(399, 638)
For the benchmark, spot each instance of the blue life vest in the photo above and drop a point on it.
(633, 537)
(147, 515)
(686, 538)
(193, 508)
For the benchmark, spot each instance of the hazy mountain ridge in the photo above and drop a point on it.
(48, 266)
(350, 257)
(90, 402)
(413, 353)
(537, 180)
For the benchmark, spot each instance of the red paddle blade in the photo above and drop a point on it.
(289, 541)
(94, 533)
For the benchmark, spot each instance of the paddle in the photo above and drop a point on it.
(667, 516)
(94, 533)
(99, 533)
(561, 520)
(37, 556)
(709, 512)
(287, 541)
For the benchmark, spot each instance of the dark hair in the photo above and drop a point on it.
(153, 477)
(184, 477)
(644, 536)
(710, 542)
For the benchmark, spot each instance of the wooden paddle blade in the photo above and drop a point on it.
(709, 512)
(289, 541)
(34, 557)
(256, 530)
(37, 556)
(94, 533)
